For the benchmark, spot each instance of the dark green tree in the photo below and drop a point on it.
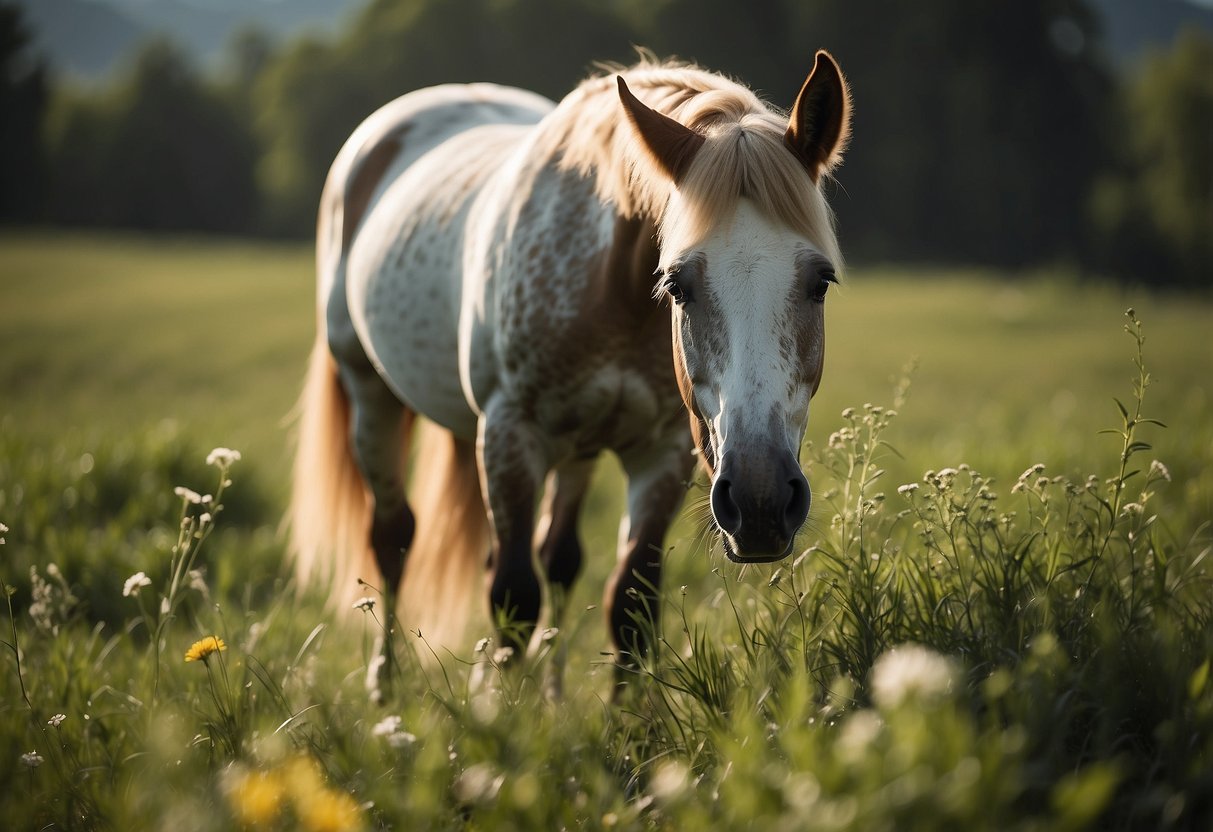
(1155, 216)
(158, 150)
(23, 96)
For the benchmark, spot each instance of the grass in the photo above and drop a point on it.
(965, 642)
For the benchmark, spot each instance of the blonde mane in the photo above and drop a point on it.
(743, 154)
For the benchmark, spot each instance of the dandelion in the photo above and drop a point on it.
(56, 720)
(911, 671)
(366, 604)
(222, 457)
(33, 759)
(188, 494)
(202, 649)
(135, 583)
(256, 798)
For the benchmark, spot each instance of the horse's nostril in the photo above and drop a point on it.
(797, 508)
(724, 509)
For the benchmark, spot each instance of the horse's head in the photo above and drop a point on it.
(747, 256)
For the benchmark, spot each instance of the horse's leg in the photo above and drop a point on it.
(379, 427)
(560, 548)
(657, 483)
(513, 463)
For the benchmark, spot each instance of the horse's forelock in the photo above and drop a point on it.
(744, 155)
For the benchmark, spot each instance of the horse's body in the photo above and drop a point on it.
(487, 260)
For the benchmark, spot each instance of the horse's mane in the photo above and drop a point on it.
(744, 154)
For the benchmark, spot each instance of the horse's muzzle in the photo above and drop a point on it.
(759, 501)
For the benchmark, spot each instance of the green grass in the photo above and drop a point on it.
(1064, 682)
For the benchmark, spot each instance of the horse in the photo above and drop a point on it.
(641, 268)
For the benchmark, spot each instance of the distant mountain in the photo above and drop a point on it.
(89, 38)
(1132, 27)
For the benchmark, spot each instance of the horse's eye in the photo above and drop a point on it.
(819, 289)
(678, 293)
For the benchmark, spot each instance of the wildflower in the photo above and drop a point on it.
(56, 720)
(135, 583)
(329, 810)
(188, 494)
(858, 733)
(223, 457)
(389, 728)
(256, 798)
(907, 489)
(202, 649)
(3, 529)
(33, 759)
(478, 783)
(1157, 469)
(366, 604)
(482, 645)
(911, 671)
(549, 633)
(502, 654)
(670, 780)
(1132, 508)
(198, 582)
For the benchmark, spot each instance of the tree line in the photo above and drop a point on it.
(984, 133)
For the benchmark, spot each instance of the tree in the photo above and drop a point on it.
(1156, 213)
(23, 102)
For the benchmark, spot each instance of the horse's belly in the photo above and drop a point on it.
(403, 291)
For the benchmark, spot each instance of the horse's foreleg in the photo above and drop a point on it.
(513, 463)
(379, 427)
(657, 483)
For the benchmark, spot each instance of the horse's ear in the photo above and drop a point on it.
(820, 124)
(671, 145)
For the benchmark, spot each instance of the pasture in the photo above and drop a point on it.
(1061, 679)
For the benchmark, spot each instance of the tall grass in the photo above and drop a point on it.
(950, 652)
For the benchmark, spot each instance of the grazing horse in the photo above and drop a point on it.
(641, 268)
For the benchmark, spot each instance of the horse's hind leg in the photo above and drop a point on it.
(560, 550)
(379, 427)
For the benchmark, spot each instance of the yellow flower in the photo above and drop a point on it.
(256, 798)
(200, 650)
(329, 810)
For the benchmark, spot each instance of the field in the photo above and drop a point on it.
(968, 641)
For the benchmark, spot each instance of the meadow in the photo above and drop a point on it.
(1000, 617)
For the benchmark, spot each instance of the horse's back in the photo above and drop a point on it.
(393, 138)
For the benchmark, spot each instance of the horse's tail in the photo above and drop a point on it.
(330, 508)
(444, 590)
(330, 514)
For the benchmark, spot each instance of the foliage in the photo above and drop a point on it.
(982, 134)
(1156, 214)
(22, 100)
(949, 653)
(158, 150)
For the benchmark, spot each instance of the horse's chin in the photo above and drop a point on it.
(753, 557)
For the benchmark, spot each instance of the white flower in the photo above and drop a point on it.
(1132, 508)
(911, 671)
(389, 729)
(223, 457)
(908, 488)
(3, 529)
(135, 583)
(1157, 469)
(56, 720)
(502, 655)
(549, 633)
(187, 494)
(860, 730)
(366, 604)
(33, 759)
(482, 645)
